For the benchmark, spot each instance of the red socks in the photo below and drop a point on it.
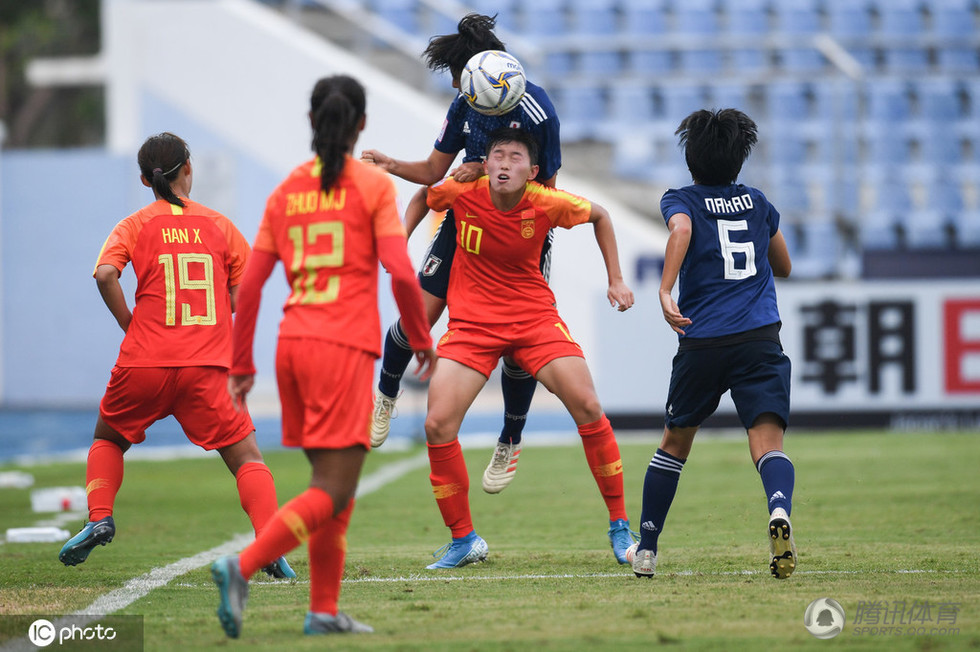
(103, 477)
(451, 486)
(257, 492)
(289, 527)
(328, 550)
(602, 454)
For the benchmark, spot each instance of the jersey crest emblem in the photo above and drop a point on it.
(527, 229)
(431, 265)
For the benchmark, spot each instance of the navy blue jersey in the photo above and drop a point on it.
(726, 283)
(468, 130)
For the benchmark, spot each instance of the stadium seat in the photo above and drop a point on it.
(888, 101)
(581, 109)
(403, 13)
(849, 21)
(592, 17)
(697, 21)
(926, 229)
(967, 227)
(944, 194)
(505, 10)
(953, 25)
(787, 102)
(679, 100)
(645, 19)
(878, 230)
(801, 21)
(730, 95)
(900, 19)
(747, 20)
(630, 105)
(820, 253)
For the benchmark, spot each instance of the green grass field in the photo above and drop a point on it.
(878, 517)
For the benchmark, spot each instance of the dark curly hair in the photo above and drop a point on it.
(450, 52)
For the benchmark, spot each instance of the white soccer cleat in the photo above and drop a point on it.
(782, 549)
(643, 562)
(502, 467)
(384, 412)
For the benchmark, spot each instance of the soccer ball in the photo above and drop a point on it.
(492, 82)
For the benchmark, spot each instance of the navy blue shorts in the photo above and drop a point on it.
(757, 373)
(434, 273)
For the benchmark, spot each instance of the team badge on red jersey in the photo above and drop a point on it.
(527, 229)
(431, 265)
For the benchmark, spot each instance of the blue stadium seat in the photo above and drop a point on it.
(926, 229)
(543, 18)
(630, 105)
(821, 249)
(506, 11)
(697, 21)
(747, 19)
(678, 100)
(850, 22)
(897, 19)
(944, 194)
(787, 102)
(801, 20)
(888, 101)
(403, 13)
(878, 230)
(591, 17)
(953, 24)
(645, 19)
(967, 227)
(582, 110)
(730, 95)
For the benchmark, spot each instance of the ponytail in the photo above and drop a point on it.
(336, 108)
(160, 159)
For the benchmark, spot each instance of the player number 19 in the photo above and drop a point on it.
(178, 277)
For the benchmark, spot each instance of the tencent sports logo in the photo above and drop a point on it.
(824, 618)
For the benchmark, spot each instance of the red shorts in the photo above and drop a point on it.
(326, 393)
(532, 344)
(198, 397)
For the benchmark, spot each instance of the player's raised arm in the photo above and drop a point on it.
(619, 294)
(423, 172)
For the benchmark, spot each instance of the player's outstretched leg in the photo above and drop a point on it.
(502, 467)
(394, 361)
(643, 562)
(381, 416)
(234, 594)
(782, 549)
(460, 551)
(93, 533)
(317, 623)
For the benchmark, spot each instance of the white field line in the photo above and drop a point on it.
(438, 577)
(139, 587)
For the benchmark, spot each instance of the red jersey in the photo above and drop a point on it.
(328, 244)
(185, 260)
(496, 276)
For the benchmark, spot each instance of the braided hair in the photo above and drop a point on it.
(160, 159)
(336, 109)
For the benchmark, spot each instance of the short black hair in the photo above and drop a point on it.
(716, 144)
(474, 34)
(514, 135)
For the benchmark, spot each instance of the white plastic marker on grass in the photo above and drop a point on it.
(139, 587)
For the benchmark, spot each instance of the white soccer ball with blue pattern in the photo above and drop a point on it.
(493, 82)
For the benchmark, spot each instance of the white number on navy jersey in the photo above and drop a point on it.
(729, 249)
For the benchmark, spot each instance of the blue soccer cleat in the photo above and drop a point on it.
(621, 538)
(227, 574)
(460, 552)
(318, 623)
(280, 570)
(94, 533)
